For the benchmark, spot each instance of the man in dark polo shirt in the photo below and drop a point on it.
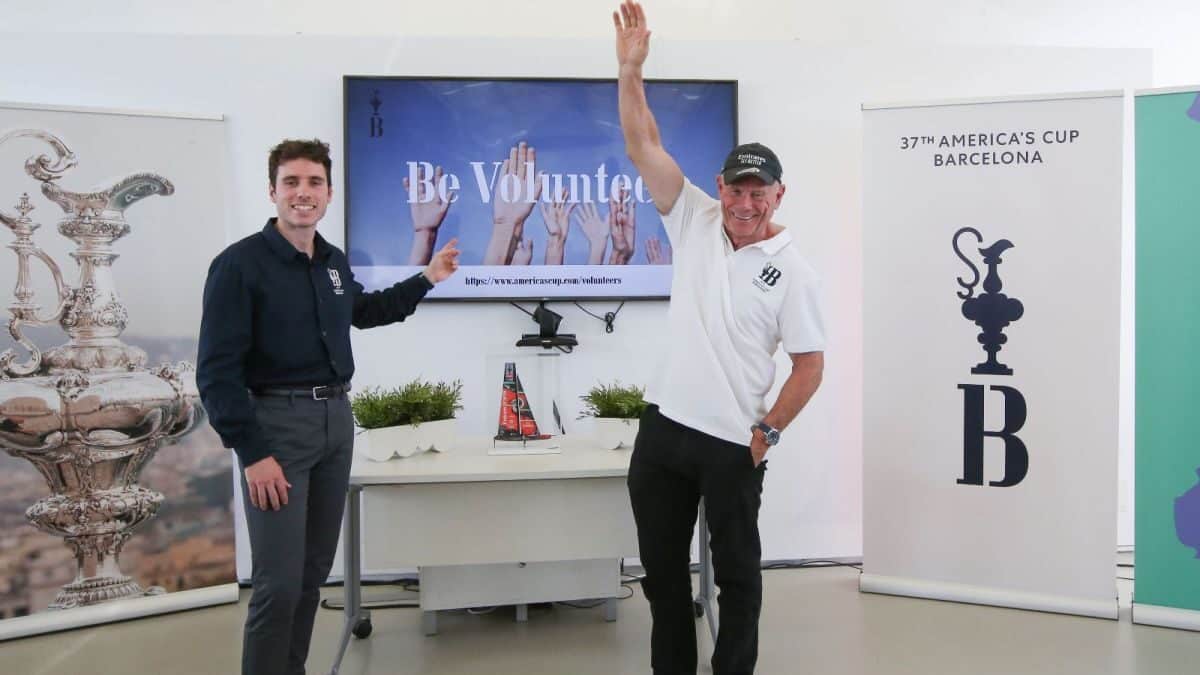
(273, 371)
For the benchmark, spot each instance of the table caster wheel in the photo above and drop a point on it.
(362, 629)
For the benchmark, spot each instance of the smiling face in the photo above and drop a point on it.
(301, 193)
(747, 206)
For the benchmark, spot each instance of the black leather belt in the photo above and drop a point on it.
(318, 393)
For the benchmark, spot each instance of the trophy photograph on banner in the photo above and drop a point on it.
(112, 484)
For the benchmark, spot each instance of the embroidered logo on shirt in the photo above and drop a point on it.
(337, 281)
(768, 277)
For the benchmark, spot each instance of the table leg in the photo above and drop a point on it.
(356, 620)
(610, 609)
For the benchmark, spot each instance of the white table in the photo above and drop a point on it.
(490, 530)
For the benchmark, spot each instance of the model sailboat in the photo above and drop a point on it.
(516, 417)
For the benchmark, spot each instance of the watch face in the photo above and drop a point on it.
(770, 434)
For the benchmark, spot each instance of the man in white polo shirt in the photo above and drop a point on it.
(740, 290)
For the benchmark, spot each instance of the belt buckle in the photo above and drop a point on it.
(317, 396)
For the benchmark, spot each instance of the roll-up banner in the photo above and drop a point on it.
(1167, 455)
(115, 496)
(992, 270)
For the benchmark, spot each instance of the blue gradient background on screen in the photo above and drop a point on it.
(573, 125)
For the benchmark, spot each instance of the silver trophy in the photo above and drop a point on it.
(88, 414)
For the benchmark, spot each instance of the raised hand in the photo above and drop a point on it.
(622, 221)
(517, 171)
(657, 253)
(595, 230)
(510, 205)
(429, 209)
(557, 217)
(523, 254)
(428, 212)
(633, 38)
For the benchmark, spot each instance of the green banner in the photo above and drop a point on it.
(1168, 351)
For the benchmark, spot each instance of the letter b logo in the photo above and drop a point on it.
(770, 274)
(1016, 456)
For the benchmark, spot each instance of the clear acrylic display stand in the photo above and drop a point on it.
(538, 394)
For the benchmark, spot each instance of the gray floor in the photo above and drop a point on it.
(814, 621)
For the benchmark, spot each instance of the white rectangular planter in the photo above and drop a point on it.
(614, 432)
(407, 440)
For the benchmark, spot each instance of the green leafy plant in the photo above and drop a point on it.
(614, 400)
(416, 402)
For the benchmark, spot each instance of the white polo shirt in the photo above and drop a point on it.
(730, 310)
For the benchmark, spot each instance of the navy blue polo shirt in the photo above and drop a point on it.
(275, 318)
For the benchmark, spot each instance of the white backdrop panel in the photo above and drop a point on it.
(1062, 214)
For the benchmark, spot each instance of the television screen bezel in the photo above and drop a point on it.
(346, 79)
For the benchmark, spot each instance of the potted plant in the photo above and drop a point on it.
(404, 421)
(616, 410)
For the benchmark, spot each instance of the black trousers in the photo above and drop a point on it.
(292, 549)
(672, 467)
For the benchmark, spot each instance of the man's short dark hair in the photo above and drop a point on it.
(315, 150)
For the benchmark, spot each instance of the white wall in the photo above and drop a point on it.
(806, 107)
(1166, 26)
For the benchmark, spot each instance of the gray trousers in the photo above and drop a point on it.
(293, 548)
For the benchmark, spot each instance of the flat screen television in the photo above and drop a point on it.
(430, 159)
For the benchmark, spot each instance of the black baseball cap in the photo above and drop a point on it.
(752, 159)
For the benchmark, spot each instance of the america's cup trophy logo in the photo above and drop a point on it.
(991, 310)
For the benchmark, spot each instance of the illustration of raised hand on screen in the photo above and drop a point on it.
(557, 217)
(523, 252)
(622, 222)
(428, 211)
(595, 230)
(516, 182)
(657, 253)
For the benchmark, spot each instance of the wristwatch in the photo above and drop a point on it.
(770, 432)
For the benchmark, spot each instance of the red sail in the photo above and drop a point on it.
(516, 417)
